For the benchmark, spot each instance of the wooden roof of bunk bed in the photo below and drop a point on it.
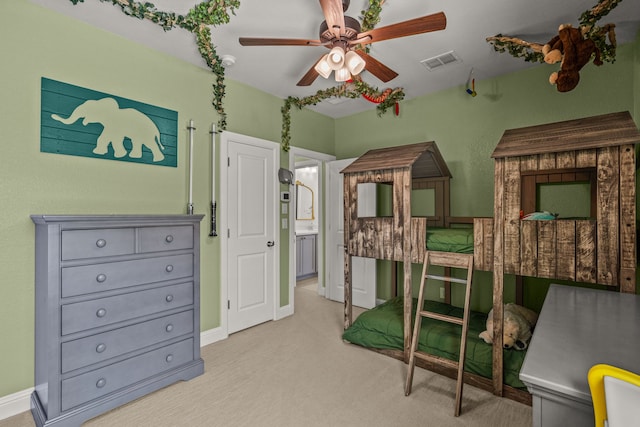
(601, 249)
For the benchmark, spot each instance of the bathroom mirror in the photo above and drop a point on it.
(305, 209)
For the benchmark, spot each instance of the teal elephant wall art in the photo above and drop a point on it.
(82, 122)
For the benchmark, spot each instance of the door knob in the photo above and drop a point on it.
(270, 243)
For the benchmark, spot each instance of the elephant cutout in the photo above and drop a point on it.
(119, 123)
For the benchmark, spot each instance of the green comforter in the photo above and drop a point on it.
(382, 327)
(458, 240)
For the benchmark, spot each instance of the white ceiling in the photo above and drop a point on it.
(277, 69)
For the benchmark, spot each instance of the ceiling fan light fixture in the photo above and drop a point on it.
(323, 68)
(354, 63)
(343, 74)
(335, 59)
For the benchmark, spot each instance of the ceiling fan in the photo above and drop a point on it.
(342, 35)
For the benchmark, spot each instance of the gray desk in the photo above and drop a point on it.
(577, 329)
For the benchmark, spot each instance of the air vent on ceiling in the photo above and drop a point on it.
(441, 60)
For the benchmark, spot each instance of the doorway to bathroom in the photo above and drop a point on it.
(306, 255)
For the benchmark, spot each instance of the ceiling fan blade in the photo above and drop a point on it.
(334, 15)
(310, 77)
(376, 67)
(262, 41)
(425, 24)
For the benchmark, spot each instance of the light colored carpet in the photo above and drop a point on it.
(299, 372)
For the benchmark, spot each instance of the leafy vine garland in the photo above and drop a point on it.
(351, 89)
(532, 52)
(197, 20)
(216, 12)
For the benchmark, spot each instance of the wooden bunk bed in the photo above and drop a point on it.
(597, 250)
(601, 249)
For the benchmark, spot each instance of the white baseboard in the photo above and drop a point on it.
(15, 403)
(212, 335)
(18, 402)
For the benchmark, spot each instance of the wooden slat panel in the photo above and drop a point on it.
(528, 163)
(387, 238)
(547, 161)
(555, 177)
(512, 215)
(350, 212)
(349, 204)
(547, 249)
(566, 160)
(380, 243)
(405, 181)
(398, 215)
(608, 215)
(488, 243)
(418, 239)
(627, 219)
(566, 250)
(528, 194)
(586, 251)
(450, 259)
(586, 158)
(498, 276)
(483, 243)
(529, 249)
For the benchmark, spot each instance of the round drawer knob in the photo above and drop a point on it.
(101, 383)
(169, 358)
(169, 268)
(169, 298)
(101, 348)
(101, 312)
(100, 278)
(101, 243)
(169, 327)
(169, 238)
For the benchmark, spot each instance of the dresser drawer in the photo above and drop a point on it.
(83, 388)
(155, 239)
(85, 315)
(80, 244)
(96, 348)
(114, 275)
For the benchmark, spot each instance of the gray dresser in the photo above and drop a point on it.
(117, 312)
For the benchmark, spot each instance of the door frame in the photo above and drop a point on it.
(321, 159)
(223, 231)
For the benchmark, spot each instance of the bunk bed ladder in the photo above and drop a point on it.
(444, 259)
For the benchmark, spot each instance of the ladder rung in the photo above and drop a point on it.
(435, 359)
(443, 317)
(446, 279)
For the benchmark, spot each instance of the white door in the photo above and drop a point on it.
(363, 269)
(251, 219)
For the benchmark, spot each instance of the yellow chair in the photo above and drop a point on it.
(616, 396)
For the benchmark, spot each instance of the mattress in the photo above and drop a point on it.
(459, 240)
(382, 328)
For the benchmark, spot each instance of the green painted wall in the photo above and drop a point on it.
(38, 42)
